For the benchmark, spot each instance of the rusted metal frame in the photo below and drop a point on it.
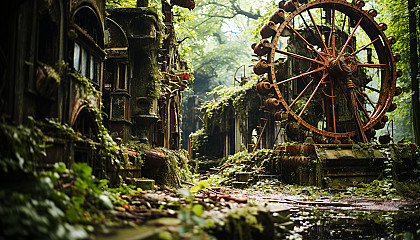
(260, 136)
(363, 108)
(330, 96)
(367, 45)
(332, 106)
(354, 108)
(370, 88)
(299, 56)
(319, 33)
(367, 96)
(351, 35)
(307, 43)
(302, 75)
(313, 94)
(379, 65)
(301, 93)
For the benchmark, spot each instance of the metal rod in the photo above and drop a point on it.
(319, 33)
(307, 43)
(351, 35)
(332, 105)
(301, 93)
(369, 65)
(299, 56)
(302, 75)
(306, 25)
(367, 45)
(313, 94)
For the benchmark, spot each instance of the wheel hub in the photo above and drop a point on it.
(342, 66)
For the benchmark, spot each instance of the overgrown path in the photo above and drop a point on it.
(267, 208)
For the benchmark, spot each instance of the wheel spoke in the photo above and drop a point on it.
(317, 29)
(307, 26)
(302, 75)
(363, 109)
(350, 36)
(313, 94)
(367, 96)
(371, 65)
(299, 56)
(301, 93)
(370, 88)
(307, 43)
(353, 106)
(367, 45)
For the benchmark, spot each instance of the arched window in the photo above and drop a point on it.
(88, 46)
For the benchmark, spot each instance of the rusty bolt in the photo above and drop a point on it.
(385, 138)
(271, 103)
(397, 57)
(278, 16)
(360, 3)
(281, 4)
(262, 47)
(385, 118)
(373, 12)
(292, 128)
(279, 116)
(261, 67)
(379, 125)
(398, 91)
(391, 40)
(392, 107)
(383, 26)
(399, 73)
(289, 6)
(268, 30)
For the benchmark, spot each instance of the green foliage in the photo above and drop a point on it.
(227, 97)
(218, 39)
(29, 205)
(199, 186)
(121, 3)
(387, 189)
(242, 222)
(57, 204)
(395, 15)
(379, 189)
(88, 87)
(408, 189)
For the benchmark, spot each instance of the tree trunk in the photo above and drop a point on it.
(414, 70)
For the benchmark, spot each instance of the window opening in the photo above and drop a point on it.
(121, 76)
(76, 57)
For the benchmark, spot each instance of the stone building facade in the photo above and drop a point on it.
(97, 73)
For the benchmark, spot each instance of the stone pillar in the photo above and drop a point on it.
(143, 33)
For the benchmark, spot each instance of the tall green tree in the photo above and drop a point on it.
(219, 39)
(395, 14)
(414, 61)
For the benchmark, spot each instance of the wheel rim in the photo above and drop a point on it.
(333, 68)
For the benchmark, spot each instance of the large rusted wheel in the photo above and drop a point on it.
(331, 67)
